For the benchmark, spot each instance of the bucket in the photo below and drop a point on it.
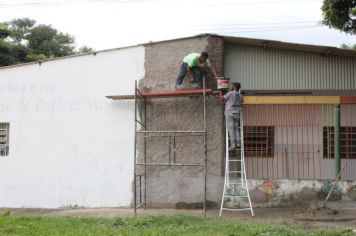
(223, 83)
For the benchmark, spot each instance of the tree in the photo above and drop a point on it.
(44, 39)
(4, 31)
(21, 41)
(6, 57)
(20, 28)
(340, 14)
(351, 47)
(85, 49)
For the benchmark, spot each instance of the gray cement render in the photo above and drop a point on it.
(168, 186)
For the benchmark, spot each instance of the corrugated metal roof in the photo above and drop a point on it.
(325, 50)
(278, 69)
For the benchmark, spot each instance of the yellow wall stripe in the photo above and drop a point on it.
(292, 100)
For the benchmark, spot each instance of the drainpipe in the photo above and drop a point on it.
(337, 139)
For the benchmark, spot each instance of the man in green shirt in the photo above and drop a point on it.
(192, 64)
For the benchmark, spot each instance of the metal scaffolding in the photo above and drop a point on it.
(140, 179)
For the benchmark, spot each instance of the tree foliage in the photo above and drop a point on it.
(340, 14)
(350, 47)
(19, 29)
(85, 49)
(21, 41)
(6, 57)
(46, 40)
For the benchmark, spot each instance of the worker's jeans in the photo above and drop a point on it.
(232, 125)
(197, 75)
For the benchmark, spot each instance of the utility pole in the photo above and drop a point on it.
(337, 139)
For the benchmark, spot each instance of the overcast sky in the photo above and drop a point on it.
(104, 24)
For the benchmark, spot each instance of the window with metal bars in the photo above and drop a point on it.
(347, 142)
(4, 139)
(259, 141)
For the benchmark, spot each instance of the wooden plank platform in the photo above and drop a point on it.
(164, 94)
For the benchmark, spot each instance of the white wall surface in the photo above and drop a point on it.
(69, 145)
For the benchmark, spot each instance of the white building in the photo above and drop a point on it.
(68, 144)
(63, 143)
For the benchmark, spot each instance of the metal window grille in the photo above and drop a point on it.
(259, 141)
(347, 142)
(4, 139)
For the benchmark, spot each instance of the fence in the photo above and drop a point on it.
(297, 141)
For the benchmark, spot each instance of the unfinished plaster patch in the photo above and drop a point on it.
(183, 113)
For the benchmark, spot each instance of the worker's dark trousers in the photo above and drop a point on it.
(197, 75)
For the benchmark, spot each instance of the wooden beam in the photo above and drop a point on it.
(121, 97)
(164, 94)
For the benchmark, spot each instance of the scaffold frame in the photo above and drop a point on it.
(140, 189)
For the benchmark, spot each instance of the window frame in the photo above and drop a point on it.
(4, 141)
(347, 142)
(263, 134)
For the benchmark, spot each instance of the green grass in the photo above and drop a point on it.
(148, 225)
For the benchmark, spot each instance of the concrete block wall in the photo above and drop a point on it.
(173, 186)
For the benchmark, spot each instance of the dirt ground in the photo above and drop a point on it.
(302, 217)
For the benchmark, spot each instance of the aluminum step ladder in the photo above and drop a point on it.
(235, 186)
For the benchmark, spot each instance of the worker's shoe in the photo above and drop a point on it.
(238, 143)
(232, 146)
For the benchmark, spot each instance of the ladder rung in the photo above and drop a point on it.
(236, 171)
(234, 184)
(236, 209)
(236, 196)
(235, 160)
